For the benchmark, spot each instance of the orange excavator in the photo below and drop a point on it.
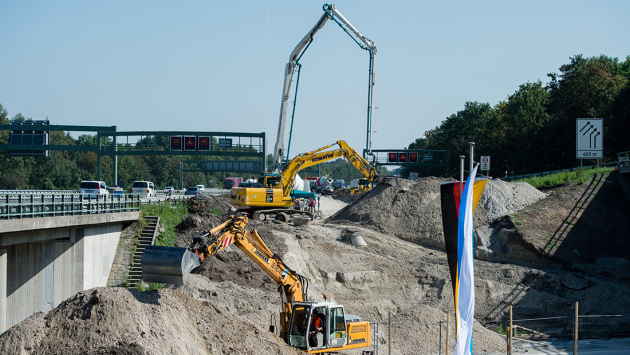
(335, 330)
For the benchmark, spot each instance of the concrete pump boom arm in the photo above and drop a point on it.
(330, 12)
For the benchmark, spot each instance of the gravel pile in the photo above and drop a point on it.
(419, 332)
(124, 322)
(502, 198)
(412, 210)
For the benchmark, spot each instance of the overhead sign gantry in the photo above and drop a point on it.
(30, 138)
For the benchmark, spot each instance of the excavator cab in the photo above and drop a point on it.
(318, 326)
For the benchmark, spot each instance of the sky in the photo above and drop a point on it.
(219, 66)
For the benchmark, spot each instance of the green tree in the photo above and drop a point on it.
(523, 118)
(585, 88)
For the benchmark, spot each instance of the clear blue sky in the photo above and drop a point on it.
(218, 66)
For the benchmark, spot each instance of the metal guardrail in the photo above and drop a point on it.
(50, 204)
(55, 192)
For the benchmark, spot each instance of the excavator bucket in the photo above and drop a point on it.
(389, 180)
(170, 265)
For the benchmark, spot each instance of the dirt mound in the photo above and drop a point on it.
(208, 203)
(418, 332)
(230, 264)
(122, 321)
(412, 210)
(580, 225)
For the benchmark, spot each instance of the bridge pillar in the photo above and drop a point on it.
(3, 290)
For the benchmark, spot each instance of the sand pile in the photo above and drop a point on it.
(125, 322)
(412, 210)
(420, 333)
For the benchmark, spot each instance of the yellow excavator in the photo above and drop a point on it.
(363, 186)
(275, 198)
(334, 331)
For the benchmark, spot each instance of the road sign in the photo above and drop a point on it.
(414, 176)
(203, 143)
(30, 137)
(190, 143)
(176, 142)
(485, 162)
(225, 142)
(589, 138)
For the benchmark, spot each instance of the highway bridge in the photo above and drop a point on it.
(55, 244)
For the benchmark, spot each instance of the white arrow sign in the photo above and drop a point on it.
(589, 138)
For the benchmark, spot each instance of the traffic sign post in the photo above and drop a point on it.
(589, 138)
(485, 163)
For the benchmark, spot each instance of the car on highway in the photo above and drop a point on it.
(201, 188)
(93, 189)
(143, 188)
(192, 191)
(169, 190)
(115, 190)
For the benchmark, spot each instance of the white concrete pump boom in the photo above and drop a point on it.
(330, 12)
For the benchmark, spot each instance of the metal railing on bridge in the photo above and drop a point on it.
(30, 204)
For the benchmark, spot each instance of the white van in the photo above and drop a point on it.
(143, 188)
(92, 189)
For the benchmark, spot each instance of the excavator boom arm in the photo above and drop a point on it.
(236, 230)
(319, 156)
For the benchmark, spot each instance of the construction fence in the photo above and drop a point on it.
(601, 334)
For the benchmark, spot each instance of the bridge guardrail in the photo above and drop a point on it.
(56, 192)
(49, 204)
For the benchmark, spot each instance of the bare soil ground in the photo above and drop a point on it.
(126, 322)
(538, 251)
(581, 227)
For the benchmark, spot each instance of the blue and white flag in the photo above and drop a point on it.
(457, 220)
(465, 288)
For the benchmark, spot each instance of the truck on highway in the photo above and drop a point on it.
(231, 182)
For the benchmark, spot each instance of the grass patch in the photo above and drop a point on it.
(152, 286)
(170, 217)
(578, 176)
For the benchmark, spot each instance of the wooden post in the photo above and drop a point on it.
(389, 334)
(511, 332)
(575, 330)
(448, 325)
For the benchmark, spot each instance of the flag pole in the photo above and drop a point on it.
(461, 175)
(472, 155)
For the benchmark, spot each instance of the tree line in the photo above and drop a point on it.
(533, 130)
